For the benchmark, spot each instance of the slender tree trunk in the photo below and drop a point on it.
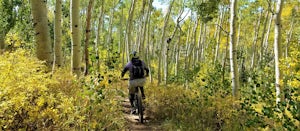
(98, 36)
(141, 30)
(57, 33)
(203, 42)
(193, 44)
(266, 40)
(289, 37)
(109, 40)
(186, 55)
(87, 37)
(149, 64)
(225, 58)
(76, 37)
(164, 46)
(177, 51)
(145, 28)
(239, 29)
(40, 23)
(135, 46)
(218, 37)
(256, 32)
(173, 55)
(149, 40)
(262, 39)
(199, 45)
(123, 50)
(233, 50)
(277, 48)
(128, 27)
(2, 44)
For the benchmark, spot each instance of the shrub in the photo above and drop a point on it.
(31, 98)
(190, 109)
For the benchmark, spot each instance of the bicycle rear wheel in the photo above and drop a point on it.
(140, 106)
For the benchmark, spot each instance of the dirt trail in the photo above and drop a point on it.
(133, 123)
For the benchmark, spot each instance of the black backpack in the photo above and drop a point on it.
(137, 69)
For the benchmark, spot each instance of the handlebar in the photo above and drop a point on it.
(124, 78)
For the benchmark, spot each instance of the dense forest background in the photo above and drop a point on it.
(214, 64)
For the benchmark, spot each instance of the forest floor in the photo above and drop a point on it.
(132, 120)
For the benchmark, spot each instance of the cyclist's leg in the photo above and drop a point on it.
(131, 90)
(143, 93)
(141, 84)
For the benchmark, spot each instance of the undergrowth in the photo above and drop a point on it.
(207, 103)
(31, 98)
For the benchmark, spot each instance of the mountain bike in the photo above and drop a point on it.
(138, 103)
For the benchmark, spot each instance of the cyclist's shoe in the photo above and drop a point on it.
(133, 111)
(143, 97)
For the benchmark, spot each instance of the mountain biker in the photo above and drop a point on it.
(136, 68)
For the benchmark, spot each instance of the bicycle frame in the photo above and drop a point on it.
(138, 102)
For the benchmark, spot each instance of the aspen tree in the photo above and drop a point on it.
(57, 33)
(218, 35)
(263, 37)
(42, 34)
(129, 28)
(99, 31)
(233, 50)
(87, 36)
(164, 46)
(254, 44)
(76, 37)
(277, 48)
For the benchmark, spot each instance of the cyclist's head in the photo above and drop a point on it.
(134, 55)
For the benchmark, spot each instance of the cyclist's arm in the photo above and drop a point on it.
(124, 71)
(126, 68)
(146, 69)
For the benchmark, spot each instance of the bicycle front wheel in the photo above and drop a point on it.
(140, 107)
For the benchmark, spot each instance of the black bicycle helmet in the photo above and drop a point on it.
(134, 54)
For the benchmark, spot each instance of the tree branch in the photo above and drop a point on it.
(227, 33)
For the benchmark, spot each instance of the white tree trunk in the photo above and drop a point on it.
(203, 43)
(254, 52)
(199, 45)
(128, 28)
(194, 44)
(149, 41)
(233, 50)
(266, 40)
(277, 48)
(40, 23)
(218, 37)
(87, 36)
(57, 33)
(76, 37)
(263, 37)
(109, 40)
(164, 46)
(98, 36)
(289, 37)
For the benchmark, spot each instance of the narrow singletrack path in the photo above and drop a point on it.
(132, 120)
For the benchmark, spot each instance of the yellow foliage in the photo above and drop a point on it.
(33, 99)
(287, 11)
(190, 109)
(13, 39)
